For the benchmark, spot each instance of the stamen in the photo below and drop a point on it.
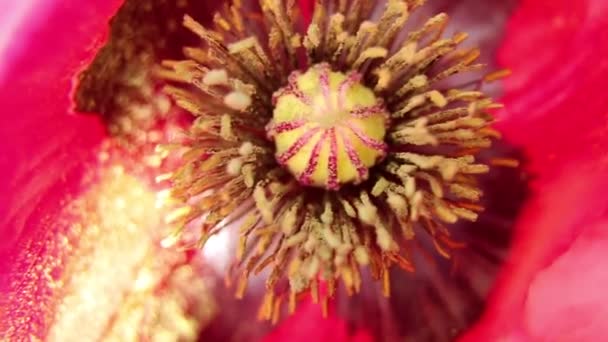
(497, 75)
(237, 100)
(234, 166)
(504, 162)
(226, 128)
(356, 108)
(216, 77)
(246, 149)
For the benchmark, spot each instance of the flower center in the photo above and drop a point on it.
(327, 127)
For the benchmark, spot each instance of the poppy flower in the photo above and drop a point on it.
(52, 161)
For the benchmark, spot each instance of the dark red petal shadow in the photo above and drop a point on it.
(308, 324)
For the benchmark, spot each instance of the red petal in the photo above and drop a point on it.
(44, 147)
(557, 112)
(42, 140)
(307, 7)
(578, 278)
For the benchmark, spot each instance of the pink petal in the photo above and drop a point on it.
(44, 148)
(42, 139)
(557, 113)
(578, 279)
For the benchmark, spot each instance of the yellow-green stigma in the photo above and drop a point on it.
(327, 127)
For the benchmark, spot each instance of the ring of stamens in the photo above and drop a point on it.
(327, 127)
(230, 175)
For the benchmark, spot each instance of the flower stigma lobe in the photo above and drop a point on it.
(320, 109)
